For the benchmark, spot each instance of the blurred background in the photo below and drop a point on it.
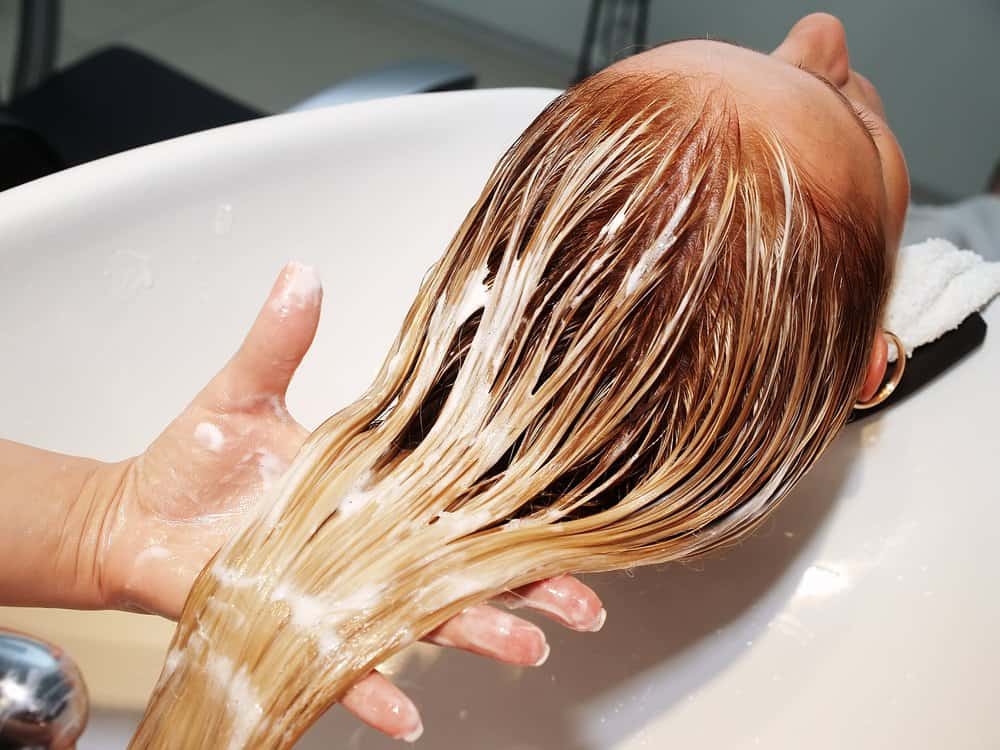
(935, 64)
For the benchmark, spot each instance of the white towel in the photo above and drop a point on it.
(937, 286)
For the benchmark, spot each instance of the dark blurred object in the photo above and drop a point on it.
(994, 186)
(117, 99)
(111, 101)
(25, 154)
(615, 29)
(931, 360)
(37, 43)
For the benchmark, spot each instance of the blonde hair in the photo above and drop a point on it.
(645, 332)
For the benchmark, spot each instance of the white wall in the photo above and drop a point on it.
(936, 63)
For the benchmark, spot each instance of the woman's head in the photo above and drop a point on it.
(679, 311)
(827, 116)
(659, 312)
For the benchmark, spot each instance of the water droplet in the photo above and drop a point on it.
(129, 272)
(223, 222)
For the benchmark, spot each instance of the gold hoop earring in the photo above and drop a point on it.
(890, 385)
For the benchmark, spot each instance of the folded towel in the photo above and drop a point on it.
(937, 286)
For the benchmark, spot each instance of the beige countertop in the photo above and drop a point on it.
(120, 654)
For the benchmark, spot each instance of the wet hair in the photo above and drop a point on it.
(649, 326)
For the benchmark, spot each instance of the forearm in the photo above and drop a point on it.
(55, 511)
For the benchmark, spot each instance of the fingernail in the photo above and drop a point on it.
(301, 287)
(581, 615)
(503, 636)
(540, 648)
(415, 734)
(383, 705)
(545, 655)
(408, 717)
(574, 610)
(599, 621)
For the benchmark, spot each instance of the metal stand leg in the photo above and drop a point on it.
(37, 43)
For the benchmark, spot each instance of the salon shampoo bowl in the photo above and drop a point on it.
(863, 615)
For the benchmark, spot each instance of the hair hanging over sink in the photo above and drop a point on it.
(645, 332)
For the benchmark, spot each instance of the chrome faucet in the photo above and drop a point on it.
(43, 699)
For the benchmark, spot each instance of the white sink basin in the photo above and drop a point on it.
(864, 615)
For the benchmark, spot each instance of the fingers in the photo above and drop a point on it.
(383, 706)
(277, 341)
(489, 632)
(486, 631)
(565, 599)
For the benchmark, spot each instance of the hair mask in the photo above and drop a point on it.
(643, 334)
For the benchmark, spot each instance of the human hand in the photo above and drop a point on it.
(190, 490)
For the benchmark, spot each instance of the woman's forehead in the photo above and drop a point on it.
(777, 98)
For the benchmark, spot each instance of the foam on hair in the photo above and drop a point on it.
(645, 332)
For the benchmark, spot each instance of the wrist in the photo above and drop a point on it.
(84, 563)
(57, 515)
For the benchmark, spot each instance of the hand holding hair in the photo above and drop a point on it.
(134, 535)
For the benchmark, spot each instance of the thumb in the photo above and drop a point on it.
(277, 341)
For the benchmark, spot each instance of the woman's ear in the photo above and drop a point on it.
(877, 364)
